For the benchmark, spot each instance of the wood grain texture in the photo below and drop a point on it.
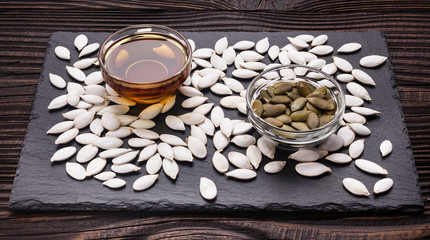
(25, 27)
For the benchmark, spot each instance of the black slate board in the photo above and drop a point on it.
(40, 185)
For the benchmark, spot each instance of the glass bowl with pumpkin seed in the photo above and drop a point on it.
(295, 105)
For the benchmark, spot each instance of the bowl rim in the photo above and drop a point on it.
(331, 124)
(176, 35)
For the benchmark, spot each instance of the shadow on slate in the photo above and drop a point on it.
(40, 185)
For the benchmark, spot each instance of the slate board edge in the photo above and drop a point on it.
(154, 207)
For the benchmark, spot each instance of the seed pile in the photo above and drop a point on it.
(106, 114)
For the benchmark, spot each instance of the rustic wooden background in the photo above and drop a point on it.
(25, 27)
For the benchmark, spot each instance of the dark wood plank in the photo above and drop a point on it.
(27, 25)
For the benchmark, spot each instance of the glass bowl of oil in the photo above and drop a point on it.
(145, 63)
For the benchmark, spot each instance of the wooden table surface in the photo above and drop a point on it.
(25, 27)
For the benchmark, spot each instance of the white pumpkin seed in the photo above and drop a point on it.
(170, 168)
(197, 147)
(220, 162)
(58, 102)
(143, 123)
(229, 55)
(145, 133)
(308, 56)
(114, 183)
(242, 174)
(319, 40)
(86, 153)
(353, 101)
(273, 52)
(266, 147)
(231, 101)
(89, 49)
(370, 167)
(238, 61)
(121, 101)
(221, 89)
(168, 103)
(220, 141)
(125, 158)
(207, 188)
(95, 90)
(104, 176)
(198, 133)
(67, 136)
(300, 71)
(147, 152)
(165, 150)
(72, 114)
(241, 128)
(321, 50)
(73, 98)
(108, 142)
(239, 160)
(332, 143)
(83, 119)
(207, 71)
(110, 121)
(153, 165)
(218, 63)
(330, 68)
(86, 138)
(243, 140)
(83, 104)
(96, 126)
(244, 73)
(342, 64)
(194, 102)
(207, 126)
(63, 154)
(139, 142)
(75, 86)
(60, 127)
(84, 63)
(76, 171)
(125, 168)
(234, 84)
(283, 58)
(352, 117)
(274, 166)
(254, 155)
(243, 45)
(204, 108)
(339, 158)
(76, 73)
(358, 91)
(304, 155)
(111, 91)
(94, 78)
(356, 148)
(190, 91)
(174, 123)
(181, 153)
(192, 118)
(151, 111)
(372, 61)
(359, 129)
(345, 77)
(172, 140)
(296, 57)
(62, 52)
(80, 41)
(144, 182)
(114, 152)
(312, 169)
(317, 63)
(203, 53)
(383, 185)
(95, 166)
(365, 111)
(386, 148)
(306, 37)
(192, 44)
(355, 187)
(57, 81)
(202, 63)
(221, 45)
(262, 45)
(347, 134)
(251, 56)
(363, 77)
(298, 43)
(349, 47)
(116, 109)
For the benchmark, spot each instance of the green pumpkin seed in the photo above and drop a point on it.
(287, 127)
(271, 91)
(313, 121)
(284, 118)
(298, 104)
(265, 97)
(324, 119)
(293, 95)
(284, 99)
(274, 121)
(313, 109)
(319, 92)
(304, 89)
(321, 103)
(257, 106)
(282, 88)
(274, 110)
(300, 116)
(301, 126)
